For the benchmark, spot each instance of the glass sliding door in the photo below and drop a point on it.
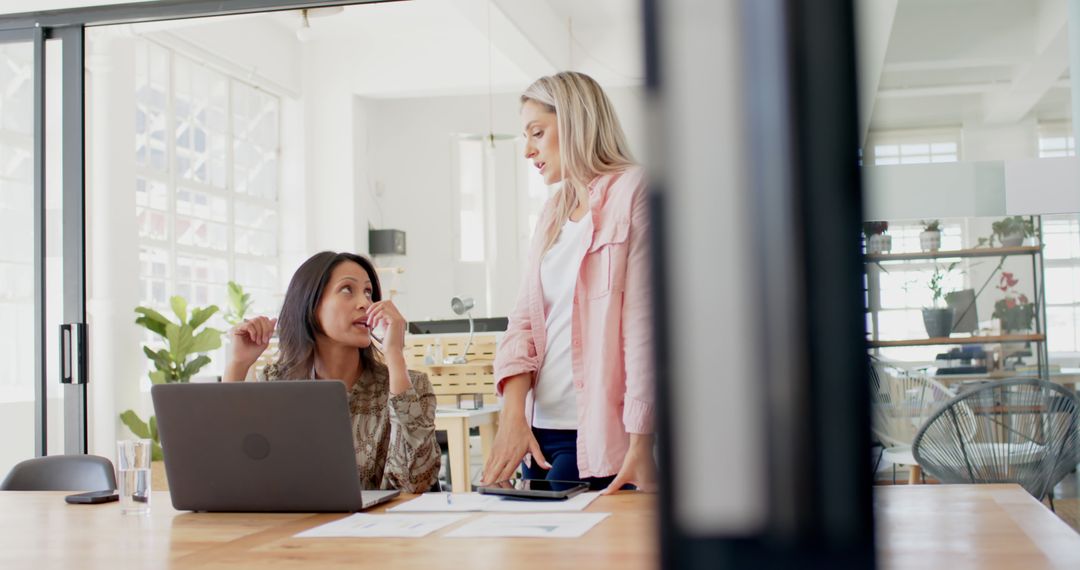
(18, 347)
(42, 369)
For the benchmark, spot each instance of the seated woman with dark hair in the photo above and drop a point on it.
(324, 331)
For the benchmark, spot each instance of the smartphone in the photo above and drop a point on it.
(92, 497)
(535, 489)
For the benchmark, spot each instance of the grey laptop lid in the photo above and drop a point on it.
(259, 446)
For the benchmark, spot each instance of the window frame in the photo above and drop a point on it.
(174, 183)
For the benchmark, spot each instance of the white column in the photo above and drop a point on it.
(116, 360)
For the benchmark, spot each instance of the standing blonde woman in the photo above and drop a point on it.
(574, 367)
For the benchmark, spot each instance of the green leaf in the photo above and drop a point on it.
(236, 294)
(179, 306)
(159, 377)
(136, 425)
(185, 345)
(200, 316)
(160, 358)
(194, 366)
(173, 335)
(156, 454)
(152, 320)
(153, 428)
(207, 340)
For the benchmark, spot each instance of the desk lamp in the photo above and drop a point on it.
(462, 306)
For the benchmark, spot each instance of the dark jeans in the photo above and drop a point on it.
(559, 447)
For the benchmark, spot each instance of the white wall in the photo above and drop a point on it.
(980, 142)
(410, 156)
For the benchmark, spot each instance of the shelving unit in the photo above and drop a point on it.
(875, 263)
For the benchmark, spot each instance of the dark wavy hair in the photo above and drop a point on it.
(298, 323)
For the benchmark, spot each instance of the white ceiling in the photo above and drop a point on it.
(961, 62)
(437, 47)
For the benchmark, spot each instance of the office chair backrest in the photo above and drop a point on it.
(61, 473)
(1025, 433)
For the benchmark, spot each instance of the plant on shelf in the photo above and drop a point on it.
(930, 238)
(938, 318)
(1015, 310)
(186, 343)
(239, 304)
(877, 241)
(1010, 231)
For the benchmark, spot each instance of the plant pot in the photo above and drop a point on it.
(158, 480)
(930, 240)
(879, 243)
(1017, 319)
(1012, 240)
(938, 321)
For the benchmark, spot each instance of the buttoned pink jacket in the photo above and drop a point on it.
(611, 342)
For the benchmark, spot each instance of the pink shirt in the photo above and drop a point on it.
(611, 328)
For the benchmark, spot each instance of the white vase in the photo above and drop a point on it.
(1013, 239)
(930, 240)
(878, 243)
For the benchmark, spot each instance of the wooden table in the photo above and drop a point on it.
(456, 424)
(39, 531)
(1065, 376)
(955, 527)
(923, 527)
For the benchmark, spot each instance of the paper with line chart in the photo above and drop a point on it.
(382, 526)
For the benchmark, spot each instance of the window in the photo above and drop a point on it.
(1056, 140)
(471, 200)
(914, 147)
(207, 164)
(1061, 238)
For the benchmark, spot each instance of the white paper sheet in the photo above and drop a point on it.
(381, 526)
(546, 525)
(475, 502)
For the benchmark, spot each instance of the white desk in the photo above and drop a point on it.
(456, 424)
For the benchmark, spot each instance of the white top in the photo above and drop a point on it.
(554, 397)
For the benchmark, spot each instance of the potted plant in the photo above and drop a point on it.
(1010, 231)
(938, 318)
(877, 241)
(930, 238)
(239, 304)
(1015, 311)
(186, 343)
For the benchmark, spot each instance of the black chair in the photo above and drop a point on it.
(61, 473)
(1021, 430)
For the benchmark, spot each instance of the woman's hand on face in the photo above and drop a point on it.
(250, 338)
(512, 442)
(386, 313)
(638, 468)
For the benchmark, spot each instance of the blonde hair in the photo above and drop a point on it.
(591, 140)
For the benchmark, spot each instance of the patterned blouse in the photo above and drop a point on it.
(393, 436)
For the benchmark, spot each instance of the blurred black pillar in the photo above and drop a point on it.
(796, 81)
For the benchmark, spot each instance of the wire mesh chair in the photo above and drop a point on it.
(901, 401)
(1025, 433)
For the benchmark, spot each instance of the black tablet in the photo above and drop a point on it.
(535, 489)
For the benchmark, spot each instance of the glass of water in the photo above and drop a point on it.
(133, 470)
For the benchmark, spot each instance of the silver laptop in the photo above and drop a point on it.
(260, 447)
